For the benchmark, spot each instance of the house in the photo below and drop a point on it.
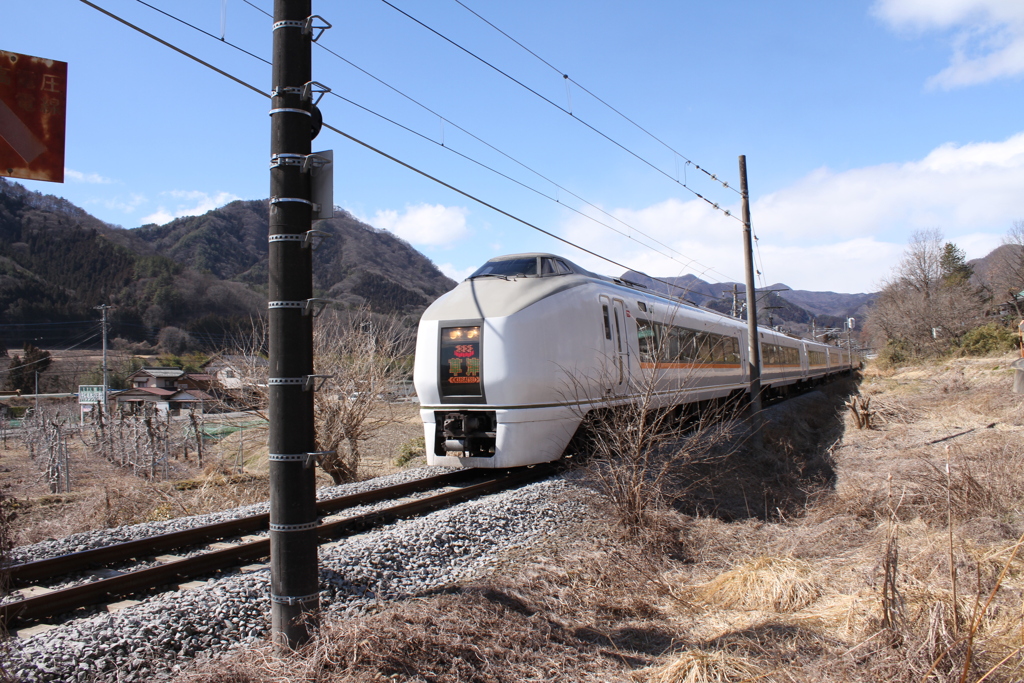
(164, 401)
(232, 372)
(168, 389)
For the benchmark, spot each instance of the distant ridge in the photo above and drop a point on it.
(799, 310)
(204, 274)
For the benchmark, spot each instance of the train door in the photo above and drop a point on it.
(616, 347)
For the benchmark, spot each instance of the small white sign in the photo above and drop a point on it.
(90, 393)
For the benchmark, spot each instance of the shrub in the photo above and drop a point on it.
(410, 450)
(990, 338)
(894, 354)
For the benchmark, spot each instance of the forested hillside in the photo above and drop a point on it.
(205, 274)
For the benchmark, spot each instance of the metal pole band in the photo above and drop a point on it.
(286, 457)
(280, 200)
(294, 599)
(284, 381)
(287, 237)
(287, 110)
(287, 304)
(294, 527)
(289, 24)
(287, 90)
(285, 159)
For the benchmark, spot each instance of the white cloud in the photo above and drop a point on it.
(987, 35)
(92, 178)
(129, 205)
(455, 273)
(197, 204)
(838, 231)
(957, 189)
(425, 224)
(160, 216)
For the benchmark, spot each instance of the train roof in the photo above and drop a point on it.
(490, 296)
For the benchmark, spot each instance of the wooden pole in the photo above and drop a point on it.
(753, 343)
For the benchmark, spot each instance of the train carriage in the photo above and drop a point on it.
(509, 362)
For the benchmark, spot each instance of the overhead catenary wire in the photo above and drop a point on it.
(539, 192)
(569, 79)
(564, 110)
(702, 272)
(380, 152)
(193, 26)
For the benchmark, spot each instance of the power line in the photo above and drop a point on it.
(564, 110)
(581, 87)
(193, 26)
(381, 152)
(539, 192)
(687, 264)
(173, 47)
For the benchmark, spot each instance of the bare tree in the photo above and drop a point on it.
(249, 356)
(642, 453)
(365, 356)
(921, 306)
(1005, 276)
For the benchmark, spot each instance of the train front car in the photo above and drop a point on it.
(505, 362)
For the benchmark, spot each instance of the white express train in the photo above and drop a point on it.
(509, 362)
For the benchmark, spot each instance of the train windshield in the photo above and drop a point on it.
(516, 267)
(527, 266)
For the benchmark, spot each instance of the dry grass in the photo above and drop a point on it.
(697, 666)
(773, 584)
(234, 473)
(835, 554)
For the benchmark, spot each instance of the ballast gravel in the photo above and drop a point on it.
(154, 639)
(99, 538)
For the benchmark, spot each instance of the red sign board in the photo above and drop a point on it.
(33, 99)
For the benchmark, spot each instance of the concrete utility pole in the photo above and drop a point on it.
(754, 355)
(103, 308)
(294, 580)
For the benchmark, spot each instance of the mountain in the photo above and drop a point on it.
(795, 310)
(204, 274)
(356, 263)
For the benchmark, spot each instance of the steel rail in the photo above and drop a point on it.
(104, 590)
(30, 572)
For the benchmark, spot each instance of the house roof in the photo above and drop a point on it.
(169, 373)
(142, 392)
(237, 361)
(157, 394)
(191, 395)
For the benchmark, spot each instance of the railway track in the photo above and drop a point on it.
(55, 603)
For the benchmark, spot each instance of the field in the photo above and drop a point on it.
(835, 554)
(104, 494)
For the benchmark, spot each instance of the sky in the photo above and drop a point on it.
(861, 122)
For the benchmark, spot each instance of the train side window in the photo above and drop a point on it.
(647, 340)
(675, 346)
(687, 345)
(561, 267)
(547, 266)
(719, 348)
(702, 350)
(607, 323)
(732, 354)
